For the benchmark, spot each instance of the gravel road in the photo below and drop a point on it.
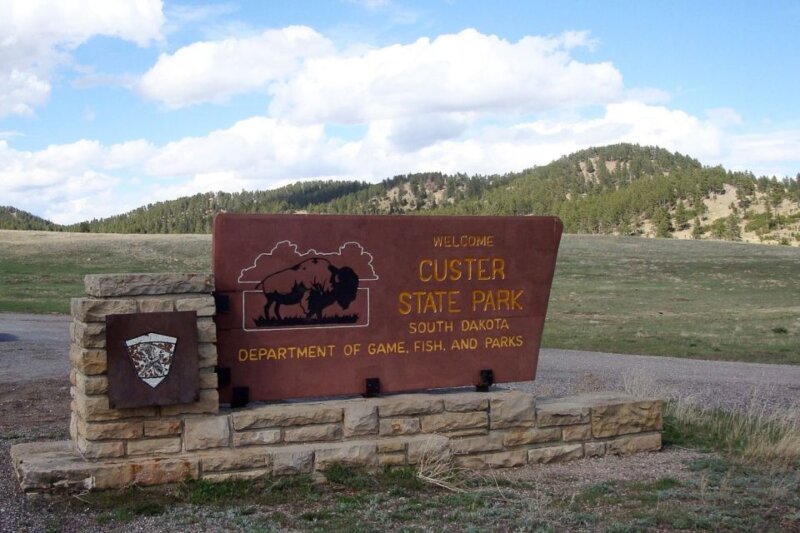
(36, 347)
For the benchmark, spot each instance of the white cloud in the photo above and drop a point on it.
(312, 82)
(258, 148)
(37, 35)
(21, 91)
(86, 179)
(464, 72)
(766, 153)
(370, 4)
(212, 71)
(72, 22)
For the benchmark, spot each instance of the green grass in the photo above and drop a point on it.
(699, 299)
(41, 271)
(715, 493)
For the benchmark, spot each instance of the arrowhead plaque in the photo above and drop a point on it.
(151, 355)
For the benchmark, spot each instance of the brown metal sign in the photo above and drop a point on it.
(152, 359)
(320, 304)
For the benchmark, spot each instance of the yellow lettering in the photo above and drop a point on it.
(404, 303)
(496, 300)
(424, 274)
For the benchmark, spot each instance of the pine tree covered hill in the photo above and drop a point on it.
(12, 218)
(620, 189)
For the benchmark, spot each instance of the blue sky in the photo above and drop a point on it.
(106, 106)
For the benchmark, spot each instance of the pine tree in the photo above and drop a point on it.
(662, 222)
(681, 217)
(732, 230)
(697, 229)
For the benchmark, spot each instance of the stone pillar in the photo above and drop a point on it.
(97, 430)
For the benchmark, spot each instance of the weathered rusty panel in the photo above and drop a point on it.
(152, 359)
(321, 303)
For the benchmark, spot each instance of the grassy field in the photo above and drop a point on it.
(41, 271)
(701, 299)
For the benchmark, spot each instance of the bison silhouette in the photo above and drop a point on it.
(314, 284)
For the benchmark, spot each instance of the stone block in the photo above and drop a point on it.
(204, 305)
(561, 413)
(90, 384)
(469, 445)
(360, 418)
(493, 460)
(237, 476)
(97, 409)
(207, 404)
(392, 446)
(208, 380)
(156, 304)
(429, 449)
(109, 285)
(286, 415)
(298, 460)
(144, 472)
(95, 310)
(524, 436)
(555, 454)
(73, 426)
(165, 470)
(594, 449)
(34, 452)
(259, 437)
(512, 409)
(154, 446)
(108, 430)
(348, 454)
(467, 432)
(90, 449)
(206, 330)
(392, 459)
(650, 442)
(469, 401)
(314, 433)
(100, 475)
(201, 433)
(223, 460)
(88, 334)
(206, 355)
(398, 426)
(444, 422)
(410, 404)
(89, 362)
(623, 418)
(580, 432)
(162, 427)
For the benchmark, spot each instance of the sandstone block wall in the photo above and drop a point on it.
(474, 430)
(97, 430)
(113, 448)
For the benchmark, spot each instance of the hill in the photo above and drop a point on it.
(13, 218)
(622, 189)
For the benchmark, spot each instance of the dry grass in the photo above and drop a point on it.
(758, 434)
(436, 467)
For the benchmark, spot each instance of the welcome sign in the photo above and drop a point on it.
(318, 305)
